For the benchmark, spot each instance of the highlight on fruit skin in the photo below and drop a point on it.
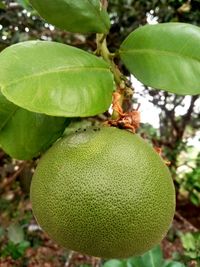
(104, 192)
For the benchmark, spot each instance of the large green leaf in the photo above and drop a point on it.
(55, 79)
(165, 56)
(74, 15)
(25, 134)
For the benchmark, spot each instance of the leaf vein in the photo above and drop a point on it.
(159, 51)
(98, 13)
(51, 72)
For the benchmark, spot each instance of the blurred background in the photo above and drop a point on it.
(169, 121)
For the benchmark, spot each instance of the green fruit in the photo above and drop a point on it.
(104, 192)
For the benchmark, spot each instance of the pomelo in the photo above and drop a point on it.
(103, 192)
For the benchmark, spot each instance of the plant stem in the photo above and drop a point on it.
(121, 81)
(96, 262)
(102, 50)
(70, 256)
(104, 4)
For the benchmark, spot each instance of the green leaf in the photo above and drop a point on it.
(23, 246)
(165, 56)
(55, 79)
(191, 244)
(25, 134)
(152, 258)
(75, 16)
(7, 109)
(173, 264)
(11, 250)
(24, 3)
(194, 198)
(2, 5)
(15, 250)
(136, 262)
(15, 233)
(115, 263)
(188, 241)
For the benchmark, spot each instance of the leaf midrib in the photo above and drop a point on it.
(159, 51)
(98, 13)
(51, 72)
(152, 260)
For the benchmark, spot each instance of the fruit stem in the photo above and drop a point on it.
(102, 50)
(122, 83)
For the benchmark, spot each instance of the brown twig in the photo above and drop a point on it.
(104, 4)
(11, 179)
(68, 262)
(96, 262)
(181, 218)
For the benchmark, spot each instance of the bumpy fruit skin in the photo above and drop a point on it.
(104, 192)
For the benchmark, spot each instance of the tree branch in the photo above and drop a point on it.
(104, 4)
